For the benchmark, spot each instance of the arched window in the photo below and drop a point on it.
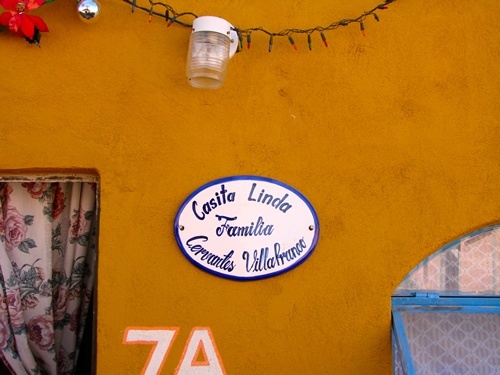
(446, 311)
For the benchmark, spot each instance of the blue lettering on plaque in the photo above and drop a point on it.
(246, 228)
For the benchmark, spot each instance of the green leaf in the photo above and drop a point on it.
(89, 215)
(31, 243)
(24, 248)
(57, 231)
(27, 244)
(82, 240)
(20, 330)
(46, 196)
(63, 322)
(58, 247)
(28, 219)
(56, 241)
(47, 211)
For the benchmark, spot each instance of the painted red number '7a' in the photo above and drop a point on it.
(200, 354)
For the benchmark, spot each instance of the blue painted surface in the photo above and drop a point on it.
(399, 333)
(464, 304)
(438, 301)
(434, 304)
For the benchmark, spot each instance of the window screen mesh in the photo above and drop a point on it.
(453, 343)
(470, 266)
(398, 362)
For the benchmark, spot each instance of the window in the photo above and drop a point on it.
(446, 312)
(48, 255)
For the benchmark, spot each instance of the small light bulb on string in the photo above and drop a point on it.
(240, 42)
(171, 15)
(171, 21)
(323, 38)
(270, 44)
(88, 10)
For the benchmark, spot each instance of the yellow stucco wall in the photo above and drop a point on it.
(393, 138)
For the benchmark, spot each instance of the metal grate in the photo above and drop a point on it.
(453, 343)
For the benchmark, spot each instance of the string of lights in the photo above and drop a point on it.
(172, 16)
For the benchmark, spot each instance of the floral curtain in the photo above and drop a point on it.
(47, 260)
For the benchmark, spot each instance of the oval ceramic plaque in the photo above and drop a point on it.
(246, 227)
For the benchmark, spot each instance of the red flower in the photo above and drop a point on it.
(36, 189)
(13, 228)
(5, 191)
(19, 22)
(41, 331)
(58, 203)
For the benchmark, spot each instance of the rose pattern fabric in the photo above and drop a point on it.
(43, 297)
(58, 202)
(36, 189)
(4, 329)
(64, 362)
(51, 196)
(41, 331)
(78, 225)
(5, 191)
(59, 304)
(15, 310)
(14, 228)
(75, 321)
(29, 302)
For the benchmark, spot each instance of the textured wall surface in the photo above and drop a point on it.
(392, 137)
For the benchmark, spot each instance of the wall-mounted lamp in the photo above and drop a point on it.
(213, 42)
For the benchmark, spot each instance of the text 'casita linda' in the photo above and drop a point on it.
(224, 196)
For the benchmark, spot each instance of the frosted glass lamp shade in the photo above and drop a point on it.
(212, 44)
